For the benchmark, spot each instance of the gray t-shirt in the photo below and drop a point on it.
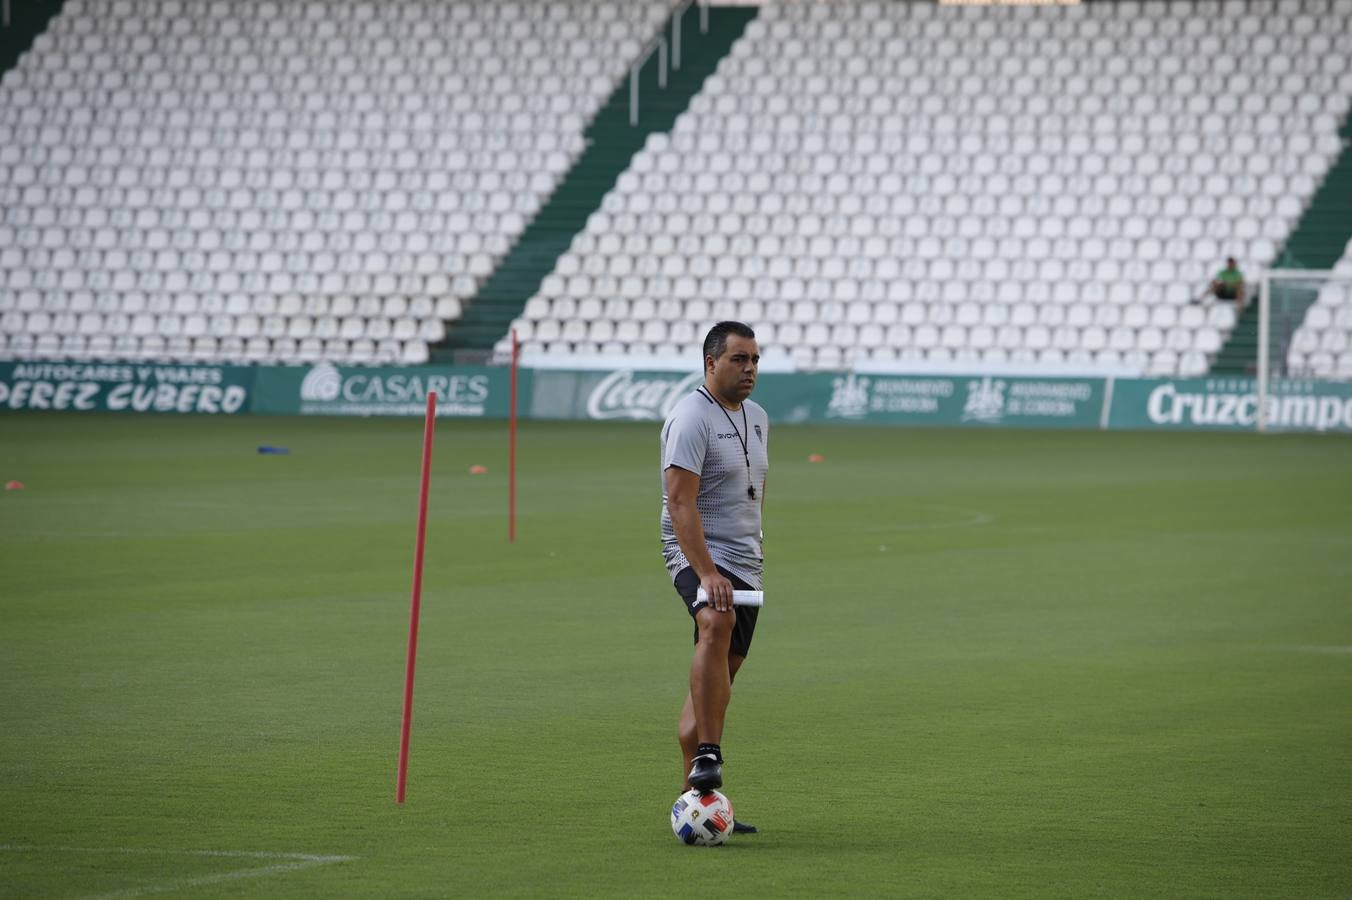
(700, 436)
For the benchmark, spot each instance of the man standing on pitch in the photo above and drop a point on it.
(714, 461)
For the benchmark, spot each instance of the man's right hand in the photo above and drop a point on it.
(719, 591)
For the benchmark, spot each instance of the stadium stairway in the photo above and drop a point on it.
(611, 144)
(27, 20)
(1316, 243)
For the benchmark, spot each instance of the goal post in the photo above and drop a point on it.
(1304, 331)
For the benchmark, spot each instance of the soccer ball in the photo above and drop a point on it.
(702, 818)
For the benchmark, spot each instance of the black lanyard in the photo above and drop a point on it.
(746, 450)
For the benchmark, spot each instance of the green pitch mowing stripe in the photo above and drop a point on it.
(990, 664)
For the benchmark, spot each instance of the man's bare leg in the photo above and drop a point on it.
(710, 690)
(710, 684)
(689, 736)
(687, 733)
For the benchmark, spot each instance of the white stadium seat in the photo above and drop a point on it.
(862, 196)
(1071, 216)
(298, 186)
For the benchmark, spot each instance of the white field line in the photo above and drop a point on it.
(285, 862)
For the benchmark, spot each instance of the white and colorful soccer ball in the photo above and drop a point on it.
(702, 818)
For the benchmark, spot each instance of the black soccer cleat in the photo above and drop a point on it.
(743, 828)
(707, 773)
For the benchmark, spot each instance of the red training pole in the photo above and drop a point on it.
(416, 602)
(511, 448)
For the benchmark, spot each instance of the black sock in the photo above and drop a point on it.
(706, 749)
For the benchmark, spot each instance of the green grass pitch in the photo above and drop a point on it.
(991, 663)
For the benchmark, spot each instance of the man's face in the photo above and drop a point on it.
(1230, 263)
(734, 373)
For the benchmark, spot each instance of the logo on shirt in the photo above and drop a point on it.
(759, 436)
(624, 395)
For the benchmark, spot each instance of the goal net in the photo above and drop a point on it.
(1304, 341)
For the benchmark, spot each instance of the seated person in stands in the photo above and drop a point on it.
(1229, 284)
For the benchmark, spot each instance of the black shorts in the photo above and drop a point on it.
(687, 584)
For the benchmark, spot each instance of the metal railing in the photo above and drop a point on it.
(659, 45)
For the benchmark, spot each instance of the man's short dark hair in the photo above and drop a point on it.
(716, 341)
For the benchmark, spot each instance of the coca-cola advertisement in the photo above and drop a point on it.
(641, 396)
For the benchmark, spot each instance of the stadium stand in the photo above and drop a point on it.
(873, 184)
(905, 183)
(284, 181)
(618, 131)
(1317, 243)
